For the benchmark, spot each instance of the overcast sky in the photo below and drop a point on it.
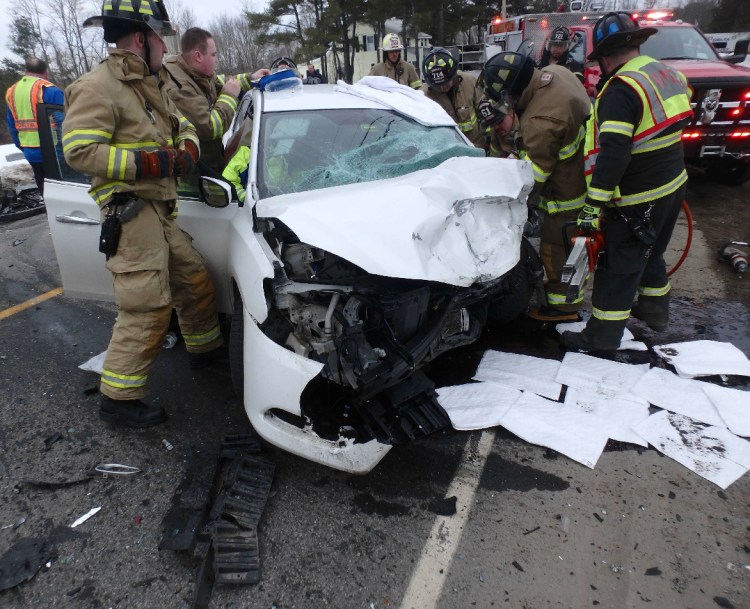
(205, 11)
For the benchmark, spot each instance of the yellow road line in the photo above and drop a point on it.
(30, 303)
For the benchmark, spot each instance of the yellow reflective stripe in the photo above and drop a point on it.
(116, 163)
(553, 207)
(151, 145)
(123, 381)
(221, 79)
(656, 193)
(216, 129)
(662, 291)
(84, 137)
(561, 299)
(415, 84)
(469, 124)
(539, 174)
(611, 315)
(569, 150)
(199, 340)
(619, 127)
(657, 143)
(599, 194)
(245, 82)
(103, 193)
(228, 100)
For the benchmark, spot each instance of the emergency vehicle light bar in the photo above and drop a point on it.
(740, 134)
(654, 15)
(691, 135)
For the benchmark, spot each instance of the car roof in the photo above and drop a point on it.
(315, 97)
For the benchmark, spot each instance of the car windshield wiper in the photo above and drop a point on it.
(680, 57)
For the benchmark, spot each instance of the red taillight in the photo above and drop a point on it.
(746, 96)
(740, 134)
(736, 112)
(691, 135)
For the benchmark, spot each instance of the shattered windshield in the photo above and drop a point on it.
(678, 43)
(313, 149)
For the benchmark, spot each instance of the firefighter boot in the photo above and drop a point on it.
(652, 310)
(207, 359)
(549, 313)
(598, 335)
(132, 413)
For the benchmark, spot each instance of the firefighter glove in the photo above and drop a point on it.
(590, 217)
(156, 164)
(186, 159)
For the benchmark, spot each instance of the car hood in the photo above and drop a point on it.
(459, 223)
(713, 69)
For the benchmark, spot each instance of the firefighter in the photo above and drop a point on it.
(551, 107)
(205, 98)
(500, 130)
(122, 129)
(22, 99)
(393, 66)
(557, 52)
(636, 181)
(456, 92)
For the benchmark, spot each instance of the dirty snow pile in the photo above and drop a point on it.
(14, 169)
(698, 424)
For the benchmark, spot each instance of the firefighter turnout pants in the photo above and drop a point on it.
(553, 251)
(156, 268)
(628, 267)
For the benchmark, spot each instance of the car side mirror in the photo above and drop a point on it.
(215, 193)
(740, 52)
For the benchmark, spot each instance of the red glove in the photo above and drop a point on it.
(156, 164)
(186, 159)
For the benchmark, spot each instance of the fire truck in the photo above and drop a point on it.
(717, 139)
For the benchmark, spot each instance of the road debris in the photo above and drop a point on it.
(85, 517)
(15, 524)
(116, 469)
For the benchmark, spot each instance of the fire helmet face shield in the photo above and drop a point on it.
(121, 17)
(391, 42)
(615, 31)
(507, 74)
(439, 67)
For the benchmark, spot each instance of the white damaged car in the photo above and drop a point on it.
(373, 238)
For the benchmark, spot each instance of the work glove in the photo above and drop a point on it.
(186, 159)
(156, 164)
(589, 217)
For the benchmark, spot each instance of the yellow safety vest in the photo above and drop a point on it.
(22, 99)
(665, 97)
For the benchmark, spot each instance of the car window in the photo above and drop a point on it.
(678, 43)
(313, 149)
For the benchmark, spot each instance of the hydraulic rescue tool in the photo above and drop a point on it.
(581, 261)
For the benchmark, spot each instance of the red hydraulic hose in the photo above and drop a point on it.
(688, 241)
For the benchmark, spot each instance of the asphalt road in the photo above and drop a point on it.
(531, 529)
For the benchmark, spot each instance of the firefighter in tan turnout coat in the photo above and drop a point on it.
(393, 66)
(122, 129)
(208, 100)
(455, 91)
(552, 108)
